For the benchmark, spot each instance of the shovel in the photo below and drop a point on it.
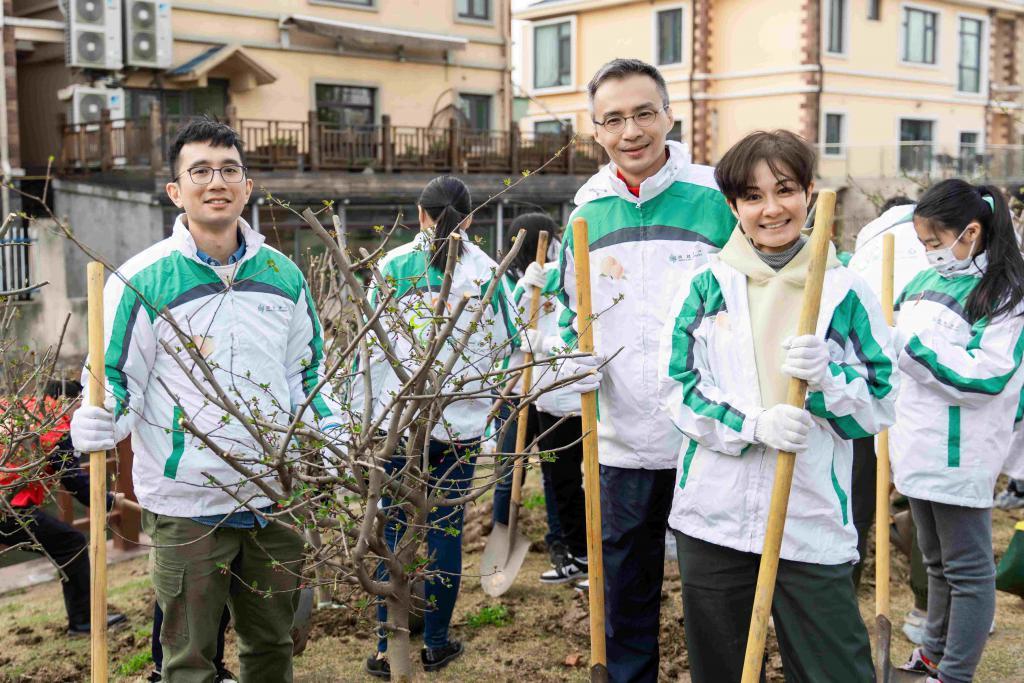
(885, 672)
(506, 546)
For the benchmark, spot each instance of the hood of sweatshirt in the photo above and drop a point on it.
(739, 253)
(606, 182)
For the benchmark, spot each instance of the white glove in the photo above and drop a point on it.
(534, 276)
(583, 365)
(807, 358)
(536, 343)
(784, 427)
(92, 429)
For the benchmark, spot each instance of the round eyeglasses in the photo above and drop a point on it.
(643, 118)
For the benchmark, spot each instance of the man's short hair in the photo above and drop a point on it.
(204, 129)
(894, 201)
(621, 68)
(787, 154)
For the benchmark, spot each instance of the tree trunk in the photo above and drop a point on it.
(399, 655)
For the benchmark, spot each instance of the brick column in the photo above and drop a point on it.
(700, 143)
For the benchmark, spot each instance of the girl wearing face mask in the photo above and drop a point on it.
(960, 325)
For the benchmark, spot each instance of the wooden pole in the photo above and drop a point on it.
(882, 472)
(754, 657)
(591, 475)
(518, 472)
(97, 482)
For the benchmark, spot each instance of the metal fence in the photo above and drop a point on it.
(15, 261)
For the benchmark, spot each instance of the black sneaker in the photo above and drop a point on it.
(437, 658)
(154, 677)
(225, 676)
(574, 568)
(84, 629)
(378, 667)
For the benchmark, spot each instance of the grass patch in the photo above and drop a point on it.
(534, 501)
(136, 663)
(489, 615)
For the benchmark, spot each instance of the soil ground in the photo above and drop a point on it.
(544, 637)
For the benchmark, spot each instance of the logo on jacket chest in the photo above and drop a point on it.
(269, 308)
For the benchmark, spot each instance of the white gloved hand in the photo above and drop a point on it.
(583, 365)
(536, 343)
(534, 276)
(92, 429)
(807, 358)
(784, 427)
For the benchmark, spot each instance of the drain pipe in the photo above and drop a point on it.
(5, 154)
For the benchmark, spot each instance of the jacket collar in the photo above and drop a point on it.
(606, 183)
(183, 241)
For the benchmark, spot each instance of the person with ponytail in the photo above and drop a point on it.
(555, 417)
(959, 329)
(415, 272)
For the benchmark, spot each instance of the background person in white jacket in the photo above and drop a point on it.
(960, 335)
(653, 217)
(726, 359)
(249, 311)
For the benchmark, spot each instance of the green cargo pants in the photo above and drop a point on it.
(197, 569)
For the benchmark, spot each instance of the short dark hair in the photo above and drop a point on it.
(780, 149)
(894, 201)
(204, 129)
(620, 68)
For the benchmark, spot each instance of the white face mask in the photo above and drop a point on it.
(945, 262)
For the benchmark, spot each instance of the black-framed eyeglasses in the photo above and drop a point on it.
(617, 123)
(203, 175)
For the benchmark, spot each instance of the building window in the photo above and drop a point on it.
(675, 132)
(552, 55)
(209, 101)
(344, 105)
(919, 30)
(670, 36)
(549, 127)
(474, 9)
(875, 10)
(477, 109)
(836, 27)
(969, 60)
(970, 153)
(835, 135)
(916, 145)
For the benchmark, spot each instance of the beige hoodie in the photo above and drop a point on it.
(774, 299)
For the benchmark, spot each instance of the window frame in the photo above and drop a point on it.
(874, 10)
(553, 89)
(982, 90)
(979, 147)
(826, 20)
(373, 88)
(905, 9)
(843, 133)
(659, 9)
(900, 118)
(472, 19)
(563, 122)
(370, 6)
(490, 107)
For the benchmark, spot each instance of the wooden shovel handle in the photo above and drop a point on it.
(591, 473)
(769, 568)
(527, 382)
(882, 472)
(97, 481)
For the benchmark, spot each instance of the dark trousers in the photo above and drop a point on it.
(862, 497)
(503, 489)
(820, 631)
(563, 474)
(65, 545)
(452, 470)
(158, 652)
(634, 515)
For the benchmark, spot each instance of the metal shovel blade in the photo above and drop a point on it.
(503, 557)
(885, 672)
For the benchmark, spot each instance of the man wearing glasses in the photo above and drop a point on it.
(653, 216)
(246, 308)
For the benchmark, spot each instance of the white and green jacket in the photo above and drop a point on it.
(960, 394)
(1014, 465)
(709, 387)
(261, 337)
(640, 250)
(416, 289)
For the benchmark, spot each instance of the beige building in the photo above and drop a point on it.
(887, 89)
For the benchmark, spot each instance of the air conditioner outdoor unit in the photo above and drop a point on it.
(147, 32)
(93, 36)
(88, 103)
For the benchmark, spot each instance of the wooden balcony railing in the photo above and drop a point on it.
(311, 145)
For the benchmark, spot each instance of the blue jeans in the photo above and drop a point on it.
(454, 462)
(503, 489)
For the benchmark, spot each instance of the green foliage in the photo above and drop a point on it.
(134, 664)
(490, 615)
(534, 501)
